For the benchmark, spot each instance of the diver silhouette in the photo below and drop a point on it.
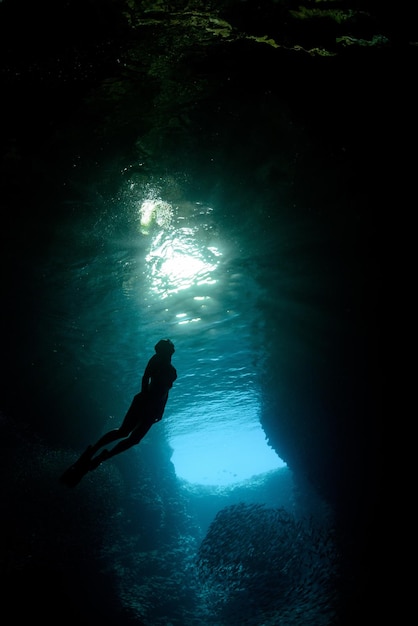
(146, 409)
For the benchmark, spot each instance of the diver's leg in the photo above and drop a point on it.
(129, 423)
(134, 438)
(112, 435)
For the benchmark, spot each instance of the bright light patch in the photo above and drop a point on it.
(154, 210)
(180, 256)
(194, 319)
(223, 457)
(182, 268)
(221, 450)
(177, 262)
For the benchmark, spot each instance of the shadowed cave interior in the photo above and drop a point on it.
(200, 172)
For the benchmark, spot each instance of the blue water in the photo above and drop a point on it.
(124, 271)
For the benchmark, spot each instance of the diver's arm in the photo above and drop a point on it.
(146, 377)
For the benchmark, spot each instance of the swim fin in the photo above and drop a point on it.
(72, 476)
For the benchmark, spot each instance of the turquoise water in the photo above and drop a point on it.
(113, 280)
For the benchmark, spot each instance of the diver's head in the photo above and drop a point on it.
(165, 347)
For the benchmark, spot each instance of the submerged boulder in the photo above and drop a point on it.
(259, 565)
